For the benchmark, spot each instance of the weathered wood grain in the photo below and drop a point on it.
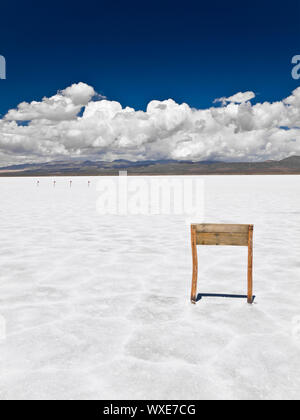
(221, 228)
(233, 239)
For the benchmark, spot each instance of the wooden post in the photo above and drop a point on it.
(195, 264)
(250, 264)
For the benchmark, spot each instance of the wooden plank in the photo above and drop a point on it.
(250, 264)
(221, 228)
(195, 265)
(233, 239)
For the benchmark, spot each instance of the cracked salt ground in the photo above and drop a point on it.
(98, 306)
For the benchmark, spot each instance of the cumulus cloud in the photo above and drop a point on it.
(65, 105)
(73, 124)
(238, 98)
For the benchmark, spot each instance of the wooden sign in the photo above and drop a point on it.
(218, 234)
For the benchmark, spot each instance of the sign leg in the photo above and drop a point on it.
(195, 265)
(250, 265)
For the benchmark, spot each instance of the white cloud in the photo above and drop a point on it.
(237, 131)
(65, 105)
(238, 98)
(80, 93)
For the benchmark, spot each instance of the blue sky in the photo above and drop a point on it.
(167, 59)
(134, 52)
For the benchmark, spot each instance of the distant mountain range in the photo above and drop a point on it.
(289, 165)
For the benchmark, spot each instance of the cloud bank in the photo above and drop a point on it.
(77, 123)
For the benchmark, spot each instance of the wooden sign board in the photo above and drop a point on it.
(224, 235)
